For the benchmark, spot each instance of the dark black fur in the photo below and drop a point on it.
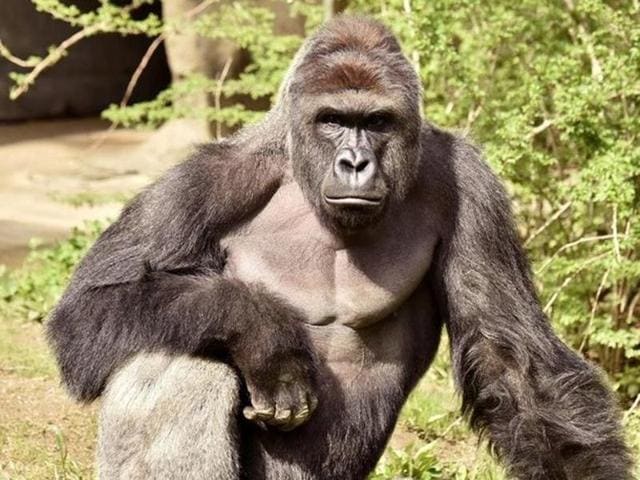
(152, 282)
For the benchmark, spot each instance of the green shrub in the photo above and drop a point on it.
(31, 291)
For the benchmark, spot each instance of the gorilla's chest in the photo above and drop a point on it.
(288, 251)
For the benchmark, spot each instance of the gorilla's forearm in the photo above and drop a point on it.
(153, 281)
(546, 411)
(95, 330)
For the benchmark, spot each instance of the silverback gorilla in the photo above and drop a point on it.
(264, 309)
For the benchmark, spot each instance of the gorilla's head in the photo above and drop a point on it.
(353, 107)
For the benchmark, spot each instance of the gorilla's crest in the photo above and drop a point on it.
(354, 53)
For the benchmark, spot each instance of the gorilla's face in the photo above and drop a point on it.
(354, 153)
(354, 126)
(354, 191)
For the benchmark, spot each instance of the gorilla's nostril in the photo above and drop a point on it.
(362, 165)
(346, 165)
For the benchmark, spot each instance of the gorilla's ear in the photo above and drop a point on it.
(542, 406)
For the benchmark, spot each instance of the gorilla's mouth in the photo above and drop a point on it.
(349, 208)
(354, 201)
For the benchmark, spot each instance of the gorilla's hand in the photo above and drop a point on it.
(282, 398)
(276, 364)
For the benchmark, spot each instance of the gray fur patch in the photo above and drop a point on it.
(170, 418)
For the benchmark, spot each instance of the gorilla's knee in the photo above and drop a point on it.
(170, 417)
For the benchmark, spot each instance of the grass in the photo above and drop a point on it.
(438, 444)
(44, 435)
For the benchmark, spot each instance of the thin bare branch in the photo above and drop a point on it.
(596, 302)
(133, 81)
(587, 39)
(569, 279)
(144, 61)
(198, 9)
(218, 94)
(572, 244)
(541, 128)
(614, 228)
(551, 219)
(632, 307)
(635, 404)
(473, 114)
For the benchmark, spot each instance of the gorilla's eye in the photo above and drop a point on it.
(378, 121)
(331, 119)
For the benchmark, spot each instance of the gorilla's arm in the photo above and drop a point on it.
(545, 410)
(152, 282)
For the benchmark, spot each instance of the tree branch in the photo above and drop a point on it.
(6, 53)
(52, 58)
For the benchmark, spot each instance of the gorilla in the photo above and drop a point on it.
(264, 309)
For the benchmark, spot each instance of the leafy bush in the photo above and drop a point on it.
(31, 291)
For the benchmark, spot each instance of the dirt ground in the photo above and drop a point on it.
(56, 174)
(42, 164)
(46, 170)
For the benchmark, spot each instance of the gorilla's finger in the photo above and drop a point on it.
(265, 415)
(303, 412)
(249, 413)
(258, 414)
(281, 418)
(302, 415)
(303, 409)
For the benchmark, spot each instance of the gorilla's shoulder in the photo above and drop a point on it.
(454, 164)
(455, 151)
(450, 145)
(218, 184)
(225, 167)
(236, 151)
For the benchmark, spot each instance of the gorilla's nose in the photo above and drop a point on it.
(354, 167)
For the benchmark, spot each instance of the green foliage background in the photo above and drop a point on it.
(550, 89)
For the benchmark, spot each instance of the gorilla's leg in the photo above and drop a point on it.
(170, 417)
